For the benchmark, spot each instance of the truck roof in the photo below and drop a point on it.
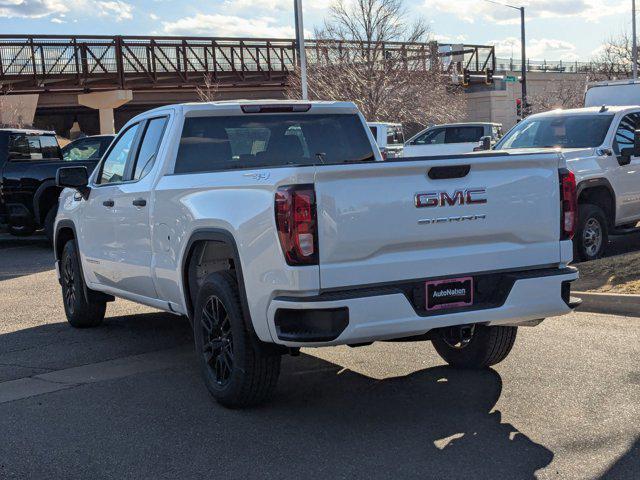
(587, 111)
(466, 124)
(232, 106)
(28, 131)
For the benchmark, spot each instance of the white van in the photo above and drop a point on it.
(389, 137)
(616, 93)
(451, 139)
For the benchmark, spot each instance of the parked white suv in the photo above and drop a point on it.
(602, 150)
(276, 226)
(450, 139)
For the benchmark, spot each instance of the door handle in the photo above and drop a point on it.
(139, 202)
(108, 203)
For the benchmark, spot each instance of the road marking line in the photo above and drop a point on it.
(95, 372)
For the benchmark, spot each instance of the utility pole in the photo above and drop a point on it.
(635, 40)
(525, 104)
(297, 6)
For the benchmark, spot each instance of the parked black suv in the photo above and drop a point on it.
(29, 160)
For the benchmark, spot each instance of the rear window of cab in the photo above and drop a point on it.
(268, 140)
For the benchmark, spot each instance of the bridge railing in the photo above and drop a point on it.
(84, 63)
(57, 61)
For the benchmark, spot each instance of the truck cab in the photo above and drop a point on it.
(599, 146)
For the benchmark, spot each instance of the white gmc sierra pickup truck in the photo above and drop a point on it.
(601, 146)
(275, 226)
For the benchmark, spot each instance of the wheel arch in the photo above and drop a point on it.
(218, 241)
(599, 191)
(47, 193)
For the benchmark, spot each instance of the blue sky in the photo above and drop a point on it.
(556, 29)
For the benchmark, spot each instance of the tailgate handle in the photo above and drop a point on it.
(453, 171)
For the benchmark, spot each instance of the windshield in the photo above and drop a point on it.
(564, 131)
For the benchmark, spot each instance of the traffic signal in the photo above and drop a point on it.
(519, 107)
(489, 76)
(466, 77)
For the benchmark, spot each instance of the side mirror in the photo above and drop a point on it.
(73, 177)
(483, 144)
(626, 153)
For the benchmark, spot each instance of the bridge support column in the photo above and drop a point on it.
(18, 110)
(105, 103)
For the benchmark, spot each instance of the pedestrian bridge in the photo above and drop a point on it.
(49, 63)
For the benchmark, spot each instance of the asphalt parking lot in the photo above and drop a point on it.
(125, 400)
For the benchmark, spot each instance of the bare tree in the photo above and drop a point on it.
(355, 58)
(11, 108)
(615, 59)
(208, 92)
(560, 94)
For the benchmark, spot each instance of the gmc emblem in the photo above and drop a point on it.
(470, 196)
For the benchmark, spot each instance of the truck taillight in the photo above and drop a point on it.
(569, 202)
(296, 222)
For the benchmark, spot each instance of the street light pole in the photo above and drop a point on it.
(524, 62)
(634, 41)
(523, 42)
(297, 6)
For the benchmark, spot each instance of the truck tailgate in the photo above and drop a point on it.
(371, 230)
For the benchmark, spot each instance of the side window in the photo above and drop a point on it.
(464, 134)
(85, 149)
(625, 132)
(19, 147)
(35, 150)
(113, 167)
(49, 146)
(374, 130)
(395, 136)
(433, 137)
(149, 147)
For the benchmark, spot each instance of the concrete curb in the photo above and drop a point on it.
(609, 303)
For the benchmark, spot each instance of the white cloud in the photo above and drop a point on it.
(478, 10)
(116, 9)
(57, 20)
(228, 26)
(449, 38)
(154, 17)
(537, 49)
(277, 4)
(31, 8)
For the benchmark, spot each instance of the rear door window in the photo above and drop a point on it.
(149, 147)
(268, 140)
(464, 134)
(49, 147)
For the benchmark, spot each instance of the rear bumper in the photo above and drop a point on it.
(387, 313)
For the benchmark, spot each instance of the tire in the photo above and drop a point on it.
(592, 234)
(49, 221)
(485, 347)
(236, 370)
(81, 313)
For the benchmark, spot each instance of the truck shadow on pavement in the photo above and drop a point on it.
(439, 421)
(324, 422)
